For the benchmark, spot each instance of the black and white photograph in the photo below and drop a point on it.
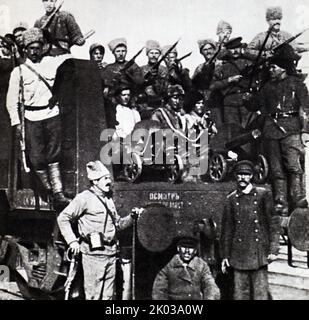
(154, 150)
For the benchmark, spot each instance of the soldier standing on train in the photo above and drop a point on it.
(170, 115)
(96, 53)
(249, 236)
(18, 31)
(176, 73)
(229, 81)
(284, 105)
(118, 73)
(276, 37)
(35, 79)
(63, 30)
(203, 74)
(155, 80)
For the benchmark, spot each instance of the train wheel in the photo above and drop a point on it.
(217, 167)
(176, 170)
(133, 170)
(261, 170)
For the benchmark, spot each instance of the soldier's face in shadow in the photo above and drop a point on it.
(153, 56)
(35, 51)
(208, 51)
(199, 107)
(120, 54)
(175, 102)
(243, 179)
(18, 34)
(97, 55)
(49, 5)
(236, 52)
(275, 72)
(186, 253)
(170, 60)
(275, 25)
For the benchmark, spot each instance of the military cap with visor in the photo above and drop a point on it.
(243, 166)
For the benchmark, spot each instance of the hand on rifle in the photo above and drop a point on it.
(224, 265)
(80, 41)
(136, 212)
(74, 247)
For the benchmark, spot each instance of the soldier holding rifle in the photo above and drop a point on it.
(284, 106)
(60, 26)
(277, 36)
(177, 75)
(155, 79)
(41, 123)
(122, 71)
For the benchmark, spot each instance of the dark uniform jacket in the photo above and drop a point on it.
(64, 32)
(203, 75)
(232, 92)
(113, 76)
(155, 86)
(249, 229)
(287, 97)
(173, 282)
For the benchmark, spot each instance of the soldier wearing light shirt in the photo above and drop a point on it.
(126, 117)
(42, 121)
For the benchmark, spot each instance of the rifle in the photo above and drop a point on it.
(184, 57)
(157, 64)
(22, 117)
(252, 69)
(280, 46)
(89, 34)
(50, 18)
(255, 65)
(131, 61)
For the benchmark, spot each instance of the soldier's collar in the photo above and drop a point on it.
(252, 192)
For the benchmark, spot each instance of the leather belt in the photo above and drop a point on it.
(284, 115)
(33, 108)
(106, 243)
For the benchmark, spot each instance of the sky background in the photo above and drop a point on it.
(162, 20)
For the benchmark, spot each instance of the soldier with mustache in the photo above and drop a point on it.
(250, 236)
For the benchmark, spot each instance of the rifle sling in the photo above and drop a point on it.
(108, 211)
(39, 76)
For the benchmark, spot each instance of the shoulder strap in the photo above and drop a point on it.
(39, 76)
(108, 212)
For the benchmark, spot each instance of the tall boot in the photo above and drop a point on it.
(280, 196)
(297, 192)
(43, 177)
(56, 183)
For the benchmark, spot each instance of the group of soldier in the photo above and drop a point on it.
(238, 86)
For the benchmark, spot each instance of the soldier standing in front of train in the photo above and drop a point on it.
(95, 213)
(35, 79)
(249, 236)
